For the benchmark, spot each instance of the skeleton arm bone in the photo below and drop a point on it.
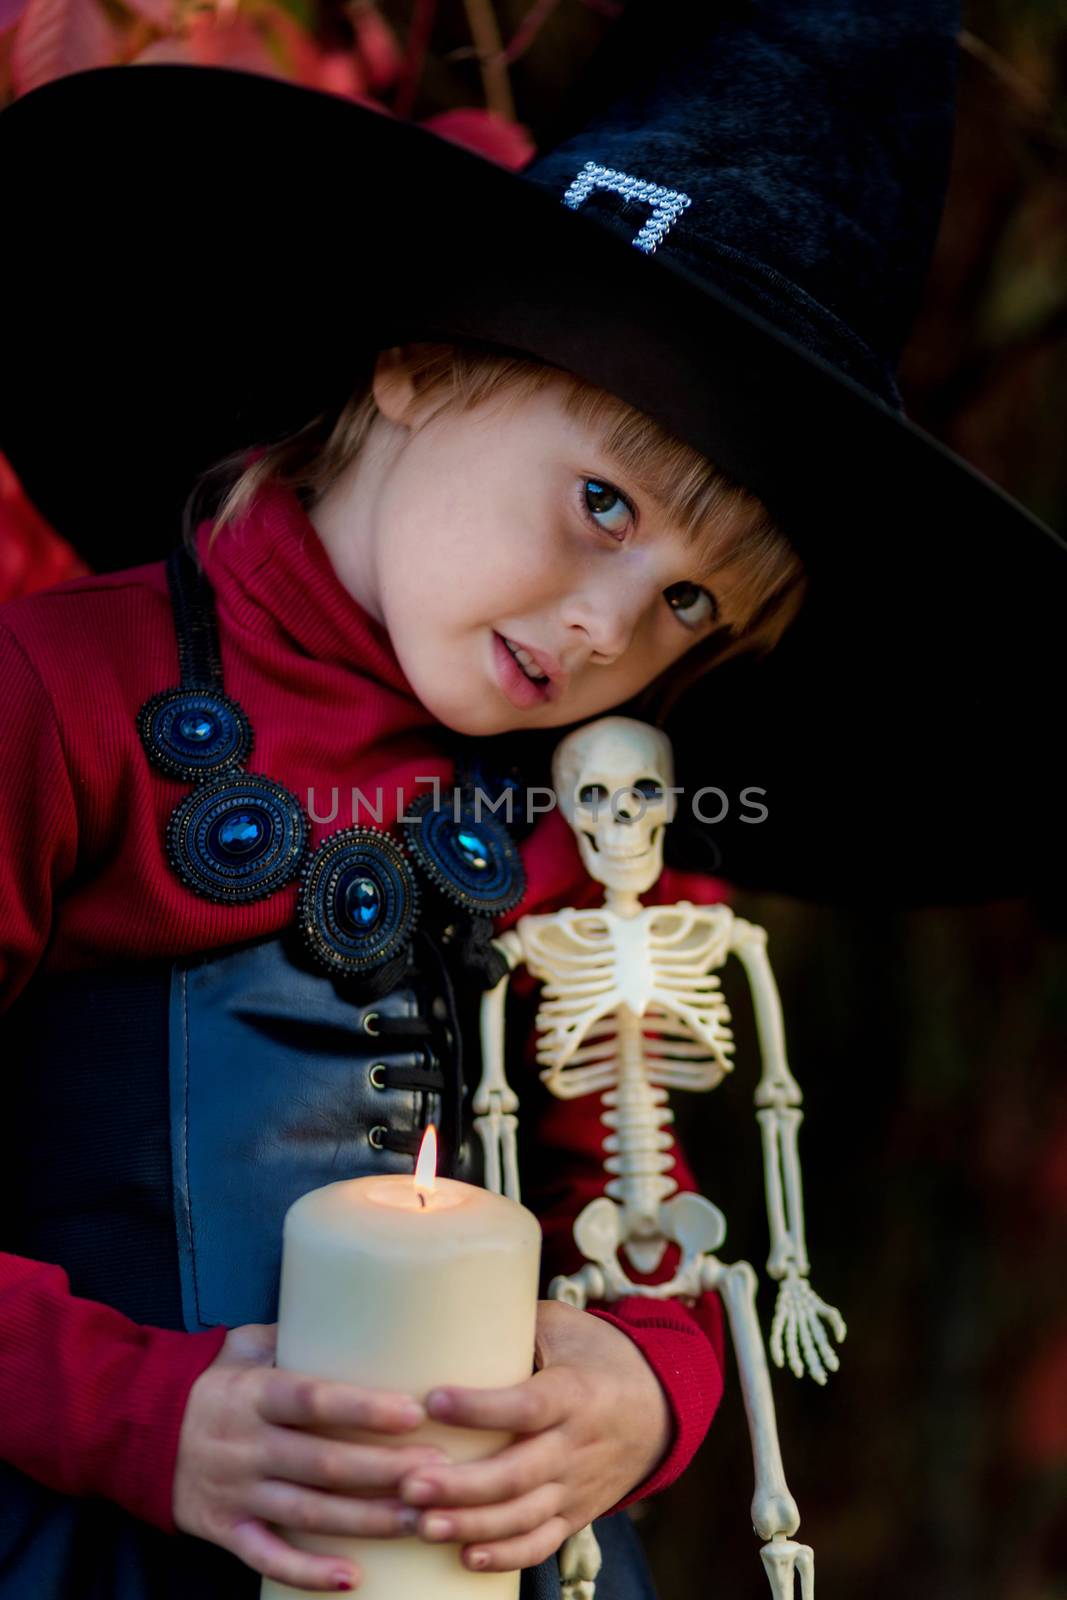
(495, 1103)
(797, 1328)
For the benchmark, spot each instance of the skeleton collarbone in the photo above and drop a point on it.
(635, 992)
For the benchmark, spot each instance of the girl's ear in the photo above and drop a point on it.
(392, 384)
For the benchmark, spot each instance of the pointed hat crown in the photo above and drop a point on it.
(793, 157)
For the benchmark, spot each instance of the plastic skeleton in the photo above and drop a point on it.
(630, 1008)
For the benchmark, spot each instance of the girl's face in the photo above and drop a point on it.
(525, 581)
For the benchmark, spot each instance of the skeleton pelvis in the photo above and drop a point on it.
(604, 1228)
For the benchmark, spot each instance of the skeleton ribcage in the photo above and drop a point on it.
(600, 972)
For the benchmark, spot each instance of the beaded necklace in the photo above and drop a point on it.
(240, 836)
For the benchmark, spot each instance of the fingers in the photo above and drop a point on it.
(792, 1345)
(307, 1511)
(266, 1553)
(344, 1468)
(541, 1402)
(296, 1401)
(507, 1555)
(511, 1472)
(777, 1353)
(826, 1349)
(811, 1354)
(493, 1522)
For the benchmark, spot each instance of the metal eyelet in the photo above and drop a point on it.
(368, 1018)
(377, 1075)
(376, 1136)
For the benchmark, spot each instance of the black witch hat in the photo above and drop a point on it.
(734, 243)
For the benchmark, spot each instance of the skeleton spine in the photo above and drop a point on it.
(638, 1114)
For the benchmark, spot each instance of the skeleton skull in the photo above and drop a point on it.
(613, 779)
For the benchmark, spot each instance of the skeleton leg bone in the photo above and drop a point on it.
(579, 1556)
(774, 1511)
(579, 1563)
(781, 1559)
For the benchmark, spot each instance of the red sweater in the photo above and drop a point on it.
(91, 1402)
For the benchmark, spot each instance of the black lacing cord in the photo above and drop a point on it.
(193, 604)
(431, 1037)
(452, 1095)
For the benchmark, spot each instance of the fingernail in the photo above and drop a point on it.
(408, 1519)
(478, 1559)
(344, 1580)
(411, 1415)
(439, 1402)
(419, 1490)
(437, 1527)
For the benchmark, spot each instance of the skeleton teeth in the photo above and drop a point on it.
(527, 662)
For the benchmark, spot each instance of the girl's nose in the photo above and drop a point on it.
(607, 618)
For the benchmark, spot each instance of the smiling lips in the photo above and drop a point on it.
(526, 677)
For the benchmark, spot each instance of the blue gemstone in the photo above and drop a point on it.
(196, 726)
(472, 849)
(363, 902)
(240, 832)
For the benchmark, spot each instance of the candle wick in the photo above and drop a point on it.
(422, 1199)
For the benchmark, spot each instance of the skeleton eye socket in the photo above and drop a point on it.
(650, 788)
(592, 794)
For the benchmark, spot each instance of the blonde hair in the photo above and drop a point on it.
(725, 523)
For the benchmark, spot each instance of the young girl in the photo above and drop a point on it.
(224, 990)
(417, 589)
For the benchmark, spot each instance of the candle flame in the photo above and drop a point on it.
(426, 1165)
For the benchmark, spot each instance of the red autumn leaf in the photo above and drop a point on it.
(160, 13)
(32, 555)
(10, 12)
(57, 37)
(379, 49)
(1041, 1406)
(487, 133)
(339, 72)
(211, 42)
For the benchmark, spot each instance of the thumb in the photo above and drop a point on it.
(558, 1325)
(255, 1343)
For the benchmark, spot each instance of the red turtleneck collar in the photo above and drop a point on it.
(278, 578)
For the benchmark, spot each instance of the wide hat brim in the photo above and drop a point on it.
(200, 259)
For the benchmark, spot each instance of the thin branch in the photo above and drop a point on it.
(1029, 99)
(418, 43)
(528, 29)
(496, 85)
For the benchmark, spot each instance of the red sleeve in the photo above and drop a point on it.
(90, 1402)
(38, 821)
(563, 1170)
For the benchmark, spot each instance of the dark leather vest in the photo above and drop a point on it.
(160, 1121)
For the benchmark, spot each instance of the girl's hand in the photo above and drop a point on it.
(594, 1423)
(249, 1454)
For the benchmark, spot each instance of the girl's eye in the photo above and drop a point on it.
(598, 499)
(692, 605)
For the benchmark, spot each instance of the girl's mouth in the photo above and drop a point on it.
(518, 675)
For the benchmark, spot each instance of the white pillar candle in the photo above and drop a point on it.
(395, 1287)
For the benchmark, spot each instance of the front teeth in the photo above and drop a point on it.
(527, 662)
